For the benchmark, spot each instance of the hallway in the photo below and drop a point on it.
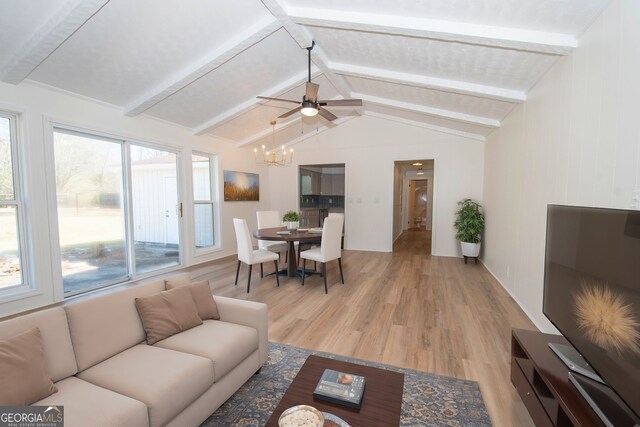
(414, 241)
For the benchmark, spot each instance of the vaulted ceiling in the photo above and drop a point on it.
(456, 66)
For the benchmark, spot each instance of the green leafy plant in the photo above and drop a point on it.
(469, 222)
(291, 216)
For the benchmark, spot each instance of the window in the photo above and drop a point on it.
(11, 253)
(117, 205)
(203, 201)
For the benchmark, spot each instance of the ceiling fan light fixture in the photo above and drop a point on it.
(309, 108)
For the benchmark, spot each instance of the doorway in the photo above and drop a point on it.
(418, 198)
(413, 205)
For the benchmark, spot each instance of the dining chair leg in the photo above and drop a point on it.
(324, 275)
(277, 275)
(340, 265)
(261, 271)
(304, 269)
(238, 271)
(249, 278)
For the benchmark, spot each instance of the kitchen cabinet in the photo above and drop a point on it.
(337, 185)
(326, 184)
(332, 184)
(309, 182)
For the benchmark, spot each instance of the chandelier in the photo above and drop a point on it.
(273, 157)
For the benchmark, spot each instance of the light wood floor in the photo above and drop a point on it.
(405, 308)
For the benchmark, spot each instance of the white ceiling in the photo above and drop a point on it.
(455, 66)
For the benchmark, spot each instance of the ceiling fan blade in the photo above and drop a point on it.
(268, 98)
(290, 112)
(341, 102)
(327, 114)
(312, 91)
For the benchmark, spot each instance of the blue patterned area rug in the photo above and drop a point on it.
(428, 399)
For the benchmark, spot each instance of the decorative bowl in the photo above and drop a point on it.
(299, 409)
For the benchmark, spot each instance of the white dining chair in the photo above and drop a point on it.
(329, 249)
(341, 216)
(269, 219)
(248, 255)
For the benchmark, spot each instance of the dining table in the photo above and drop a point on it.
(282, 234)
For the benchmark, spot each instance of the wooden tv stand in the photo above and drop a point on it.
(541, 380)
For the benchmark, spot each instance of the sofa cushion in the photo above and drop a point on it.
(104, 325)
(23, 370)
(225, 344)
(86, 404)
(166, 381)
(202, 297)
(167, 313)
(56, 341)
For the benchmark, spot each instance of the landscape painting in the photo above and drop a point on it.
(241, 187)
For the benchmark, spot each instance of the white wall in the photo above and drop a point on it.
(369, 146)
(576, 141)
(38, 105)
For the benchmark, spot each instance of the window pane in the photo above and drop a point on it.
(156, 225)
(90, 211)
(201, 177)
(203, 218)
(6, 167)
(9, 248)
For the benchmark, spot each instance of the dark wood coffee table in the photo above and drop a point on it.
(381, 403)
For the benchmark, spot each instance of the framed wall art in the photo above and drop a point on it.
(241, 187)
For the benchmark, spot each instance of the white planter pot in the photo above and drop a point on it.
(292, 225)
(470, 249)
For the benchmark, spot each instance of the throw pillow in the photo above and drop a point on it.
(24, 374)
(201, 294)
(167, 313)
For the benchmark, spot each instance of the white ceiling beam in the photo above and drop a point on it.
(451, 31)
(321, 129)
(267, 131)
(205, 65)
(303, 37)
(66, 21)
(427, 82)
(442, 129)
(249, 104)
(453, 115)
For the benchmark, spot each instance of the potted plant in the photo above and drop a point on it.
(469, 226)
(291, 220)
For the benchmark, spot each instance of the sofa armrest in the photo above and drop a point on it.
(247, 313)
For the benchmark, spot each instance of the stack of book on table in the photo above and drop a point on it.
(341, 388)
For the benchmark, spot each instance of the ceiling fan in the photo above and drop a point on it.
(311, 105)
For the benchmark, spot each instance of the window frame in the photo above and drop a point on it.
(126, 143)
(213, 200)
(26, 287)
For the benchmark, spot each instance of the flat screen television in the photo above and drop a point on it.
(592, 291)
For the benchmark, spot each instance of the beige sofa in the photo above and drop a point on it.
(107, 375)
